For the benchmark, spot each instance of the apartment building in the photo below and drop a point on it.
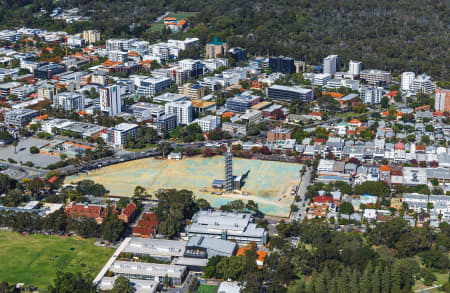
(192, 91)
(216, 48)
(208, 123)
(183, 110)
(375, 77)
(91, 36)
(442, 100)
(68, 101)
(371, 95)
(118, 136)
(289, 93)
(110, 101)
(422, 83)
(278, 134)
(406, 81)
(152, 86)
(165, 123)
(20, 117)
(330, 64)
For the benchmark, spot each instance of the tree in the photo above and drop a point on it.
(15, 143)
(346, 208)
(164, 148)
(112, 227)
(66, 282)
(139, 192)
(34, 150)
(385, 102)
(122, 285)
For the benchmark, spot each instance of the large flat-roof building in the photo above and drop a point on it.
(20, 117)
(150, 271)
(282, 64)
(375, 77)
(207, 247)
(289, 93)
(141, 286)
(161, 249)
(238, 227)
(47, 71)
(242, 103)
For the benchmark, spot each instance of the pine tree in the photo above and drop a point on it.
(365, 283)
(354, 281)
(321, 285)
(396, 279)
(386, 280)
(376, 280)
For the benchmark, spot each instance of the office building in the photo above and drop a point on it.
(208, 123)
(23, 91)
(110, 101)
(354, 67)
(238, 54)
(174, 274)
(206, 247)
(119, 44)
(371, 95)
(20, 117)
(91, 36)
(200, 107)
(289, 93)
(234, 129)
(216, 48)
(47, 71)
(118, 56)
(183, 110)
(321, 79)
(282, 64)
(166, 123)
(442, 100)
(241, 103)
(423, 84)
(161, 249)
(118, 136)
(68, 101)
(195, 67)
(170, 97)
(278, 134)
(46, 91)
(145, 111)
(330, 64)
(252, 117)
(375, 77)
(152, 86)
(192, 91)
(238, 227)
(407, 80)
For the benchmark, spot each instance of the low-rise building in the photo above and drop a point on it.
(118, 135)
(289, 93)
(278, 134)
(239, 227)
(208, 123)
(20, 117)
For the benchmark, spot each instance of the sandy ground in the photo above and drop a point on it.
(268, 183)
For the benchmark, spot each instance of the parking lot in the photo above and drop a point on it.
(23, 152)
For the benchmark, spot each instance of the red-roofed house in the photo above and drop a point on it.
(84, 210)
(323, 200)
(399, 151)
(354, 122)
(128, 213)
(146, 227)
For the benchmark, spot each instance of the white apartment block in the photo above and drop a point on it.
(68, 101)
(407, 80)
(118, 136)
(91, 36)
(152, 86)
(183, 110)
(119, 44)
(371, 95)
(208, 123)
(321, 79)
(110, 101)
(422, 83)
(330, 64)
(354, 67)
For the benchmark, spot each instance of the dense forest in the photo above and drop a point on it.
(395, 35)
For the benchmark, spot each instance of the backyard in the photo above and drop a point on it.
(35, 259)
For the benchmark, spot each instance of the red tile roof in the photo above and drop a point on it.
(323, 199)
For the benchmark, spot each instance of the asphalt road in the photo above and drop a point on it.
(301, 191)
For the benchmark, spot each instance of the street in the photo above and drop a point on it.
(301, 191)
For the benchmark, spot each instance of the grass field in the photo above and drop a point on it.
(35, 259)
(207, 289)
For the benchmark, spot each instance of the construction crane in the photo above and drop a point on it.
(65, 43)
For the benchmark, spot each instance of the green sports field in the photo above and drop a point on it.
(207, 289)
(34, 259)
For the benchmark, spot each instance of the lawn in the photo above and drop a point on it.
(34, 259)
(207, 289)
